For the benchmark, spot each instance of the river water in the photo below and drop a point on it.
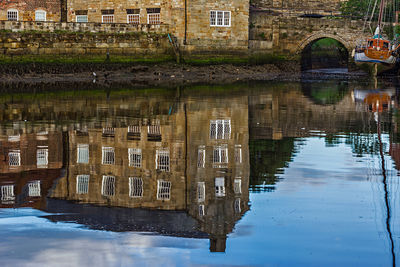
(263, 174)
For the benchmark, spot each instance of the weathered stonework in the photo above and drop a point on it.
(26, 9)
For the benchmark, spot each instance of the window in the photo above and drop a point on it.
(82, 184)
(162, 160)
(108, 132)
(12, 14)
(220, 18)
(163, 190)
(7, 193)
(237, 187)
(108, 186)
(81, 18)
(201, 210)
(220, 187)
(42, 155)
(14, 158)
(40, 15)
(153, 16)
(108, 156)
(238, 154)
(133, 16)
(135, 157)
(201, 157)
(236, 205)
(220, 154)
(82, 153)
(107, 18)
(34, 189)
(135, 187)
(201, 191)
(220, 129)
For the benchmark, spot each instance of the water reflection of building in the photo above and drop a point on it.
(30, 162)
(179, 157)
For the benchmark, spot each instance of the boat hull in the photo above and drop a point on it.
(360, 57)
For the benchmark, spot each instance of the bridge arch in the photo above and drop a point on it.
(305, 48)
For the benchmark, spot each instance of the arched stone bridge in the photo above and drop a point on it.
(291, 35)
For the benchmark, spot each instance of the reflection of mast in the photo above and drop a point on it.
(385, 186)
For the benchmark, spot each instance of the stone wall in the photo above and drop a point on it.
(26, 9)
(37, 38)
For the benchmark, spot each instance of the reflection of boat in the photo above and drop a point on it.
(378, 51)
(375, 100)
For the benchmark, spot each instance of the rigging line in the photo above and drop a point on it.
(385, 187)
(372, 14)
(366, 15)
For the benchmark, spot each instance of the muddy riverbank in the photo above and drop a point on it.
(166, 74)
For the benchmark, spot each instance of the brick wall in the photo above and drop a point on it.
(26, 9)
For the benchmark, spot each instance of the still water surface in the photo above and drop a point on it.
(276, 174)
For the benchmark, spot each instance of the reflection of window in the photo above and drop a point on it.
(108, 156)
(108, 186)
(201, 157)
(134, 132)
(220, 186)
(42, 155)
(220, 154)
(12, 14)
(40, 15)
(82, 184)
(14, 138)
(14, 158)
(153, 16)
(238, 154)
(237, 207)
(83, 153)
(220, 129)
(162, 160)
(135, 157)
(135, 187)
(109, 131)
(7, 193)
(34, 189)
(163, 190)
(201, 210)
(237, 187)
(201, 191)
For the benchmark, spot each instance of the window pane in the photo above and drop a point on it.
(81, 18)
(163, 190)
(82, 184)
(213, 18)
(108, 186)
(134, 18)
(83, 153)
(154, 18)
(34, 189)
(108, 155)
(12, 15)
(135, 157)
(220, 16)
(162, 160)
(135, 187)
(42, 157)
(227, 18)
(40, 15)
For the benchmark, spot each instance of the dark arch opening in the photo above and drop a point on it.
(324, 53)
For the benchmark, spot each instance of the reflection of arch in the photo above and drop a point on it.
(330, 94)
(305, 49)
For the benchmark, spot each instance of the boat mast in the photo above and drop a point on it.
(381, 7)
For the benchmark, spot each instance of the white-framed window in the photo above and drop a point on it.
(82, 184)
(220, 18)
(201, 157)
(14, 158)
(40, 15)
(7, 193)
(34, 188)
(162, 160)
(108, 186)
(237, 186)
(201, 211)
(14, 138)
(153, 16)
(220, 187)
(238, 154)
(236, 206)
(108, 156)
(109, 131)
(220, 154)
(163, 190)
(107, 18)
(220, 129)
(133, 18)
(82, 154)
(135, 157)
(135, 187)
(12, 14)
(82, 18)
(42, 157)
(201, 192)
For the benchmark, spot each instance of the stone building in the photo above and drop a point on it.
(33, 10)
